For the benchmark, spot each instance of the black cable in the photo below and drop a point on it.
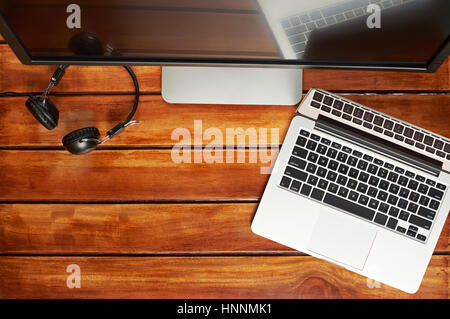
(137, 93)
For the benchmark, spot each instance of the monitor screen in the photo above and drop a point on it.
(379, 33)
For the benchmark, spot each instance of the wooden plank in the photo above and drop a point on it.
(202, 277)
(136, 175)
(159, 119)
(16, 77)
(138, 229)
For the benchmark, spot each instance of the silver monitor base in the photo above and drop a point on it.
(231, 85)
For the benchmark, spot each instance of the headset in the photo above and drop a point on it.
(86, 139)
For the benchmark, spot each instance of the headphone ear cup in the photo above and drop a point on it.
(46, 113)
(74, 143)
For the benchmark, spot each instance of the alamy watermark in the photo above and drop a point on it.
(221, 145)
(73, 21)
(74, 279)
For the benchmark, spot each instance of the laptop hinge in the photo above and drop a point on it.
(374, 143)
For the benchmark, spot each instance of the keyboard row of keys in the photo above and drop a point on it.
(382, 125)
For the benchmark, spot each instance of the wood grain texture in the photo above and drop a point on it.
(138, 229)
(159, 119)
(88, 79)
(201, 277)
(140, 175)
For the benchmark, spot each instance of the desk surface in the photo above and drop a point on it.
(141, 226)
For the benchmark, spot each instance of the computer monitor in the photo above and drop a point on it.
(250, 47)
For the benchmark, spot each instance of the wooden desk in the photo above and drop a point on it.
(141, 226)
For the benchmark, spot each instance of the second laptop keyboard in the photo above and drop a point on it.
(377, 191)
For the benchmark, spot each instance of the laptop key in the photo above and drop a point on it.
(398, 128)
(424, 200)
(373, 203)
(296, 162)
(315, 104)
(301, 141)
(435, 193)
(311, 145)
(311, 168)
(328, 100)
(422, 189)
(300, 152)
(384, 185)
(383, 208)
(306, 189)
(402, 203)
(393, 211)
(380, 219)
(403, 215)
(392, 200)
(362, 188)
(388, 124)
(412, 208)
(408, 132)
(353, 196)
(322, 184)
(368, 116)
(427, 213)
(342, 157)
(413, 185)
(338, 105)
(401, 229)
(438, 144)
(322, 172)
(343, 191)
(419, 221)
(331, 176)
(392, 223)
(418, 136)
(321, 149)
(421, 237)
(312, 180)
(285, 181)
(295, 173)
(434, 204)
(378, 120)
(414, 197)
(378, 129)
(304, 133)
(349, 206)
(333, 188)
(348, 108)
(317, 194)
(411, 233)
(363, 200)
(296, 186)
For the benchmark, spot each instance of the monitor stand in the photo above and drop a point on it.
(231, 85)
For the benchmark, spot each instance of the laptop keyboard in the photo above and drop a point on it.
(380, 192)
(298, 27)
(391, 129)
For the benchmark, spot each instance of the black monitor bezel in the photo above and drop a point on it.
(25, 58)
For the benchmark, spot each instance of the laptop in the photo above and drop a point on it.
(358, 188)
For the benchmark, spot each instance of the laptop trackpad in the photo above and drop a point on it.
(337, 238)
